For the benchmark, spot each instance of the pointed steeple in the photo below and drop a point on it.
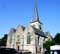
(36, 17)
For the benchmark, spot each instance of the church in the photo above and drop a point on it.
(29, 38)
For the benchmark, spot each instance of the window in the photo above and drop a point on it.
(40, 28)
(28, 38)
(10, 39)
(18, 38)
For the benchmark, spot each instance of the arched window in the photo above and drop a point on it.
(18, 38)
(40, 27)
(10, 39)
(28, 38)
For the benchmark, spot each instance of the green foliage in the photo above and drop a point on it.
(57, 38)
(55, 41)
(3, 40)
(48, 44)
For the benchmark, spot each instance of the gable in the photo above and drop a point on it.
(19, 29)
(29, 29)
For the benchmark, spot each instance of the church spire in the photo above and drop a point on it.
(36, 17)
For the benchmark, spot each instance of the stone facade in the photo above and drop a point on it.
(23, 38)
(29, 38)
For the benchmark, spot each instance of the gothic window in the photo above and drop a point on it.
(40, 27)
(10, 39)
(28, 38)
(18, 38)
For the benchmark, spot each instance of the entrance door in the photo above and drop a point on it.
(17, 47)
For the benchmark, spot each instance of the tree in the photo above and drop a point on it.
(55, 41)
(3, 40)
(57, 38)
(48, 44)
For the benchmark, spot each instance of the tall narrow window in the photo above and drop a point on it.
(28, 38)
(40, 27)
(18, 38)
(10, 39)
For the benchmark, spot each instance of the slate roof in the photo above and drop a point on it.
(38, 32)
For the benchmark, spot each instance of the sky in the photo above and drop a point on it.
(15, 12)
